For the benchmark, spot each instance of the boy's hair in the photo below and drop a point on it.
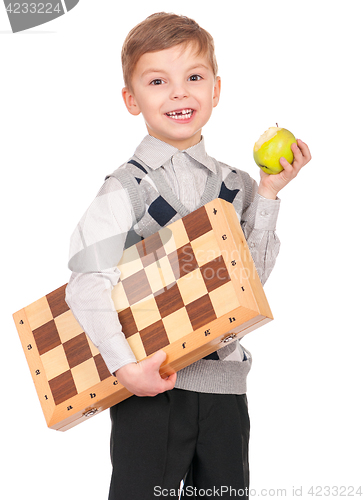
(162, 31)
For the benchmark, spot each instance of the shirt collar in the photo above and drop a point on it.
(155, 153)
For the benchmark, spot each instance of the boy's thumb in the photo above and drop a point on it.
(158, 358)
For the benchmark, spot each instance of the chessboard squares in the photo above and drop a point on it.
(137, 287)
(101, 367)
(119, 297)
(183, 261)
(173, 236)
(154, 337)
(63, 387)
(145, 313)
(77, 350)
(206, 248)
(67, 325)
(56, 301)
(130, 262)
(192, 286)
(155, 276)
(46, 337)
(224, 299)
(197, 223)
(38, 313)
(54, 362)
(177, 325)
(165, 270)
(127, 322)
(151, 249)
(93, 348)
(137, 347)
(201, 312)
(85, 375)
(169, 300)
(215, 273)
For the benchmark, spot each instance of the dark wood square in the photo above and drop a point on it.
(127, 322)
(56, 301)
(151, 249)
(77, 350)
(201, 312)
(197, 223)
(137, 287)
(154, 337)
(101, 367)
(46, 337)
(63, 387)
(215, 273)
(183, 261)
(168, 300)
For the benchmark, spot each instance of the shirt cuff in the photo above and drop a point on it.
(264, 213)
(116, 352)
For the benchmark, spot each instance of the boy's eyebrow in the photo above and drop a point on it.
(200, 65)
(152, 70)
(156, 70)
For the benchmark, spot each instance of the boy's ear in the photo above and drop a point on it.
(130, 102)
(217, 90)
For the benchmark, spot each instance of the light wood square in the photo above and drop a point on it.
(155, 276)
(167, 272)
(55, 362)
(160, 274)
(224, 299)
(145, 313)
(130, 262)
(85, 375)
(119, 297)
(94, 349)
(137, 347)
(67, 326)
(176, 239)
(38, 313)
(192, 286)
(206, 248)
(177, 325)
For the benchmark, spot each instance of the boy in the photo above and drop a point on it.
(196, 422)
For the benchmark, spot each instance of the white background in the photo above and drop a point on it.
(64, 127)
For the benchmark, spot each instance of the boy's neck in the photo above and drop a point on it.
(181, 145)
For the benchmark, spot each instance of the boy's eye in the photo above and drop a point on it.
(195, 78)
(157, 81)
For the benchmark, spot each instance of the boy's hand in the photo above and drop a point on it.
(143, 378)
(270, 185)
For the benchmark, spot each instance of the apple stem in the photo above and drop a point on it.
(277, 125)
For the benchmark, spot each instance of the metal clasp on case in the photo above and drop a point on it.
(90, 413)
(227, 339)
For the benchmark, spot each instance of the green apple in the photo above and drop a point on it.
(272, 145)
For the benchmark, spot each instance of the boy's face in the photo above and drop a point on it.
(175, 90)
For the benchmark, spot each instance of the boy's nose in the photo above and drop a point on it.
(179, 92)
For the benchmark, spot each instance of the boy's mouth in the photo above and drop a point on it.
(180, 114)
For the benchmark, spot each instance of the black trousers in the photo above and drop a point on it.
(201, 438)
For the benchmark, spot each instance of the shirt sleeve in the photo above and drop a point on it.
(259, 224)
(96, 248)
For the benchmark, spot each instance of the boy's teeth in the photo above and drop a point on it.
(181, 115)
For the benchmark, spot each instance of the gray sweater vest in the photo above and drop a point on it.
(155, 206)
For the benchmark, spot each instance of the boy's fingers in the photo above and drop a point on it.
(169, 382)
(157, 359)
(304, 149)
(296, 150)
(285, 164)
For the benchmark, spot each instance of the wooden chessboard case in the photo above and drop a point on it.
(189, 289)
